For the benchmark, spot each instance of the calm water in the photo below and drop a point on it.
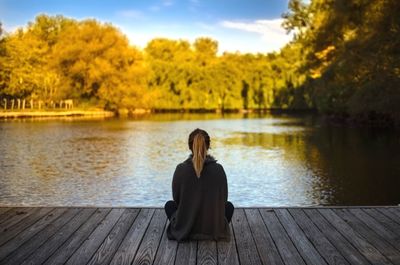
(271, 160)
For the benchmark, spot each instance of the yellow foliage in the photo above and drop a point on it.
(315, 73)
(322, 55)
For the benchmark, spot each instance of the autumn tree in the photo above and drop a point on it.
(99, 65)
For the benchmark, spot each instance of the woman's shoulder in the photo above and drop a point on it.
(184, 165)
(209, 162)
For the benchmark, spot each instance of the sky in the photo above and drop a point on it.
(238, 25)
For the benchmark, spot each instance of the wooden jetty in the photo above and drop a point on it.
(87, 235)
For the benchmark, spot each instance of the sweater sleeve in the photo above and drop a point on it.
(175, 186)
(224, 185)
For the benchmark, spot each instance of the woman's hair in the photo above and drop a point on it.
(199, 143)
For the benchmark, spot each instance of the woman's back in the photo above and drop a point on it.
(201, 202)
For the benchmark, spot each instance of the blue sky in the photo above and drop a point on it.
(238, 25)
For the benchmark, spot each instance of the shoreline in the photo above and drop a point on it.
(361, 120)
(127, 113)
(66, 113)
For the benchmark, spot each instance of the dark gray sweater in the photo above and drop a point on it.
(201, 202)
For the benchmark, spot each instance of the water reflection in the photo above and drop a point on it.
(270, 160)
(360, 165)
(281, 160)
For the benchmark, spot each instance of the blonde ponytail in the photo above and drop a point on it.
(199, 153)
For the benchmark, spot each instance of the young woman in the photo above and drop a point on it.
(199, 209)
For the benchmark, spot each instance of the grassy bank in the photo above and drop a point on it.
(55, 113)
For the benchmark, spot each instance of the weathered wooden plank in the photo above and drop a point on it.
(269, 254)
(372, 236)
(15, 212)
(227, 252)
(75, 240)
(83, 254)
(166, 252)
(321, 243)
(4, 209)
(369, 251)
(388, 213)
(16, 217)
(25, 235)
(151, 240)
(287, 250)
(377, 226)
(56, 240)
(14, 230)
(186, 253)
(336, 238)
(395, 212)
(36, 241)
(246, 246)
(49, 236)
(385, 221)
(128, 248)
(207, 252)
(303, 245)
(107, 249)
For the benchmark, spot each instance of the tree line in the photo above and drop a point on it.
(343, 59)
(56, 58)
(350, 55)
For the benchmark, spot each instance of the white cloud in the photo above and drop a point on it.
(270, 31)
(261, 36)
(140, 37)
(11, 28)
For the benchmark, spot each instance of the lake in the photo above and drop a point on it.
(270, 160)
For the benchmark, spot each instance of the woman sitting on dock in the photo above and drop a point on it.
(199, 209)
